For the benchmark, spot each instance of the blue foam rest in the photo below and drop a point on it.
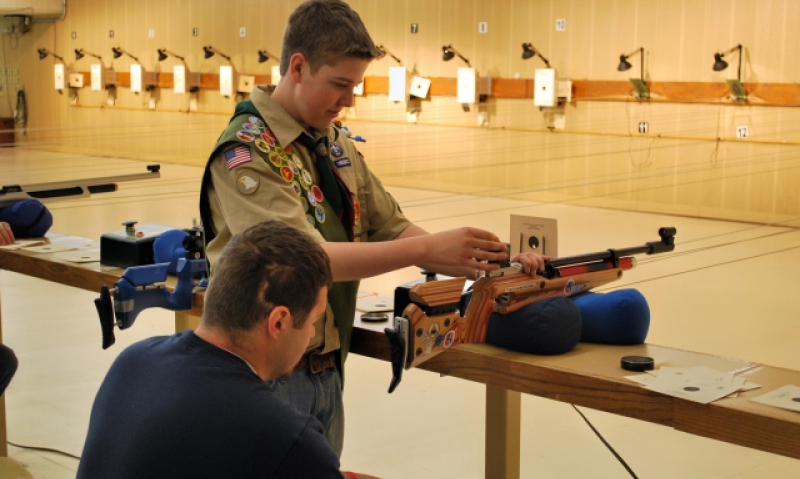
(549, 326)
(27, 218)
(618, 317)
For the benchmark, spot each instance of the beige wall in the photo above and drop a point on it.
(685, 171)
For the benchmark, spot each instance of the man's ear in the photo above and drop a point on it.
(279, 321)
(296, 63)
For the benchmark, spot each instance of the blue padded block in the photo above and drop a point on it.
(549, 326)
(618, 317)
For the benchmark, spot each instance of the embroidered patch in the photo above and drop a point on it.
(342, 162)
(245, 136)
(336, 150)
(246, 182)
(287, 174)
(310, 219)
(320, 213)
(269, 138)
(262, 145)
(255, 129)
(311, 198)
(257, 121)
(237, 156)
(275, 159)
(317, 193)
(297, 190)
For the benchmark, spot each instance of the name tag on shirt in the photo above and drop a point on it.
(342, 162)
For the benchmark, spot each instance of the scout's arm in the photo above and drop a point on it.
(462, 250)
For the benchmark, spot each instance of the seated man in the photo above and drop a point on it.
(195, 405)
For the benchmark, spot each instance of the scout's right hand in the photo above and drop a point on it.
(462, 251)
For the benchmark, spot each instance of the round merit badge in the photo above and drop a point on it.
(287, 174)
(275, 159)
(304, 202)
(246, 182)
(311, 198)
(319, 212)
(293, 167)
(245, 136)
(252, 128)
(336, 150)
(261, 145)
(310, 220)
(317, 193)
(297, 190)
(256, 121)
(306, 176)
(267, 136)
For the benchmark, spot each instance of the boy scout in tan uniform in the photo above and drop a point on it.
(280, 158)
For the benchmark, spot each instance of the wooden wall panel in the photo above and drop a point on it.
(680, 37)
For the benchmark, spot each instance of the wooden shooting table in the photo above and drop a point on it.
(588, 376)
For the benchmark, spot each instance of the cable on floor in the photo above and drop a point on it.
(44, 449)
(619, 458)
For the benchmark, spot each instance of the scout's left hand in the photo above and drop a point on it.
(531, 262)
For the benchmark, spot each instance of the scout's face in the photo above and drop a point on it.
(323, 94)
(296, 340)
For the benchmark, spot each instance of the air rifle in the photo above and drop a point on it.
(71, 189)
(142, 287)
(432, 321)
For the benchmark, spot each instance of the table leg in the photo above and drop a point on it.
(184, 321)
(502, 433)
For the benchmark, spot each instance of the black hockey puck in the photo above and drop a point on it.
(637, 363)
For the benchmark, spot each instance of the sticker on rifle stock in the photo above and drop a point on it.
(571, 288)
(449, 338)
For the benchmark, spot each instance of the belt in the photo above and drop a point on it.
(316, 363)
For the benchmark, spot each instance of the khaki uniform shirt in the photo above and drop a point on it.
(252, 192)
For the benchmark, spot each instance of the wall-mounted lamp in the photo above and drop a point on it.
(386, 51)
(738, 92)
(210, 51)
(163, 54)
(642, 93)
(58, 69)
(264, 55)
(43, 54)
(529, 51)
(448, 52)
(80, 53)
(118, 52)
(181, 76)
(720, 64)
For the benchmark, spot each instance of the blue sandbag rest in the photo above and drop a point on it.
(556, 325)
(27, 218)
(617, 317)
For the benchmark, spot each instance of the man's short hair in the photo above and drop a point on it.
(325, 31)
(268, 264)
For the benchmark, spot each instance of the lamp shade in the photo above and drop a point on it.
(447, 54)
(624, 64)
(719, 63)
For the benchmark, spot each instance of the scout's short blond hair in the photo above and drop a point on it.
(325, 31)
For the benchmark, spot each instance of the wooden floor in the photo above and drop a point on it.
(729, 289)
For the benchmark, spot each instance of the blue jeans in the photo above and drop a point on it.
(319, 395)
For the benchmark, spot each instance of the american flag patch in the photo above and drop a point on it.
(237, 156)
